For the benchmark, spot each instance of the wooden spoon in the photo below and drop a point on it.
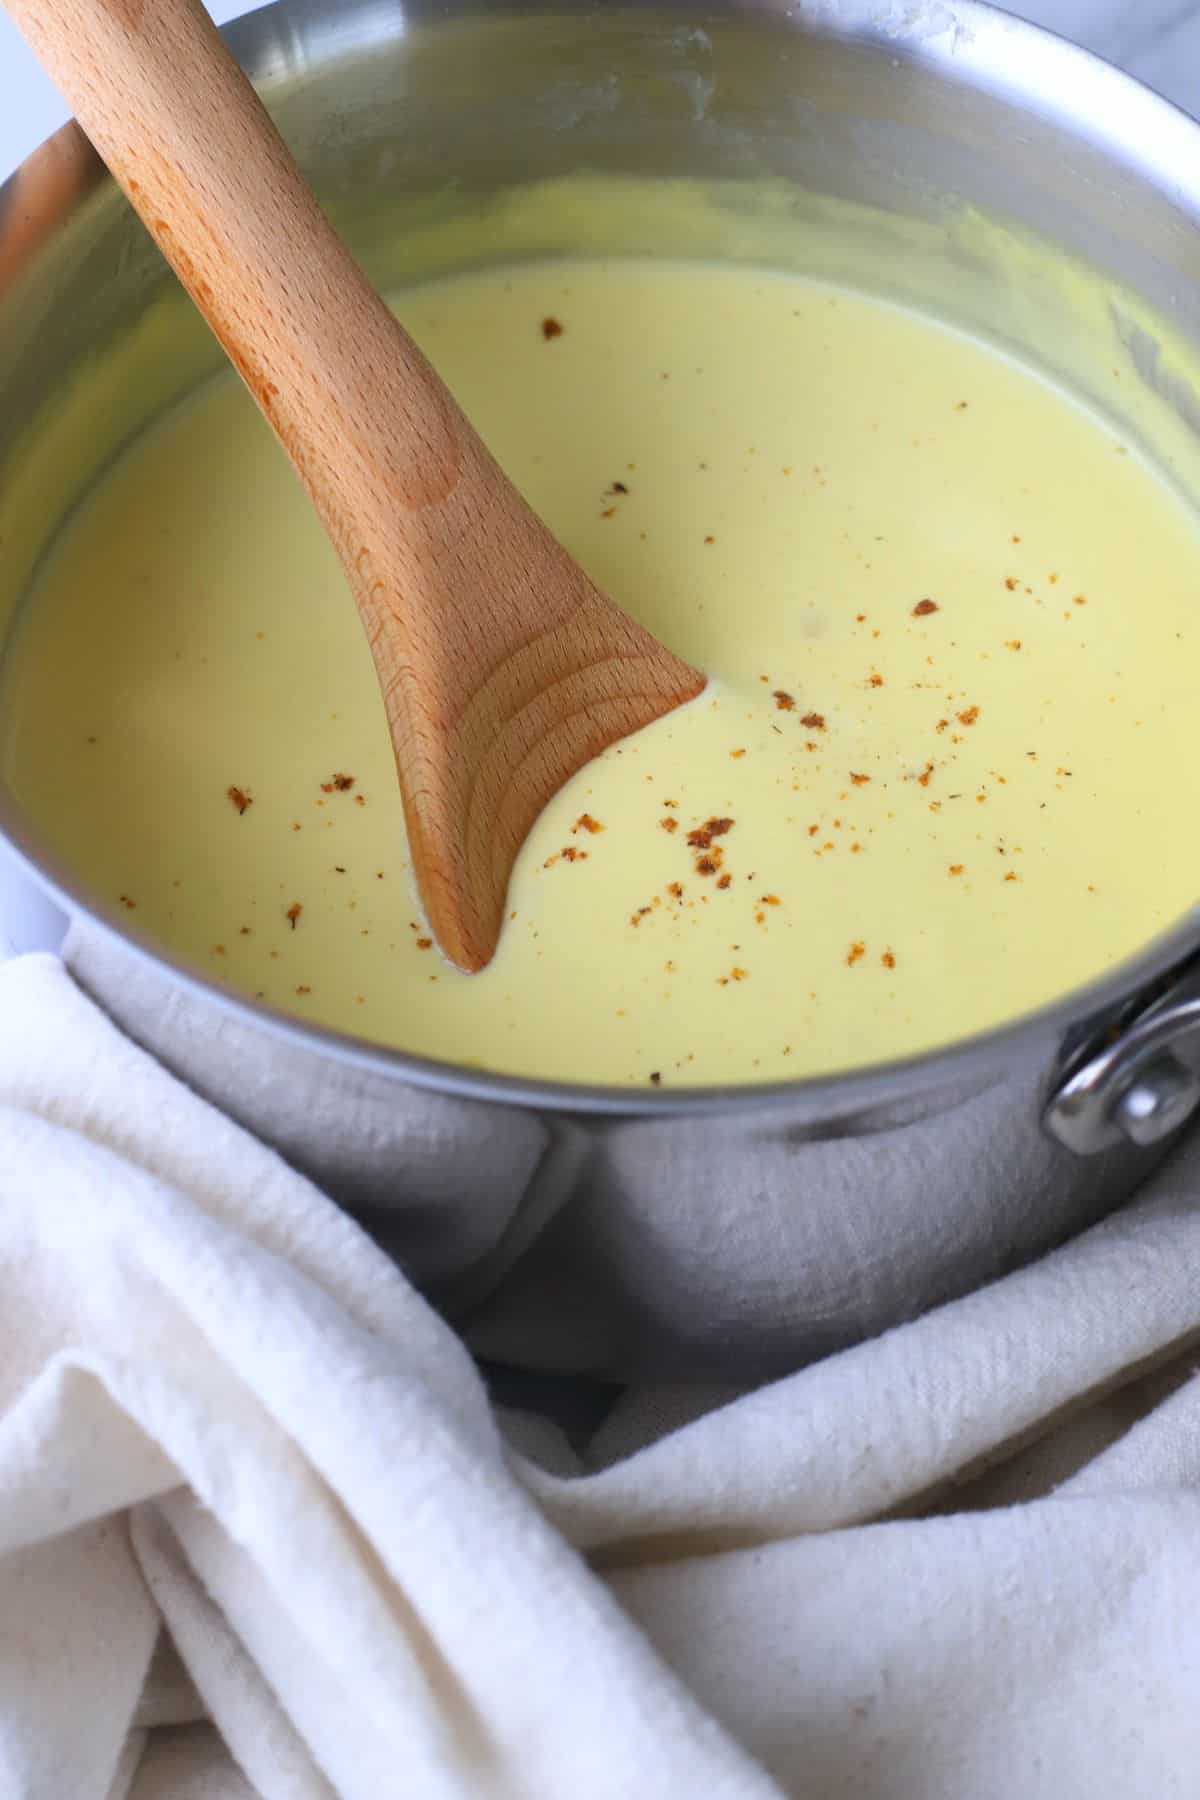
(504, 669)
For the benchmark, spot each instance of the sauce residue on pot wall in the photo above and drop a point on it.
(937, 779)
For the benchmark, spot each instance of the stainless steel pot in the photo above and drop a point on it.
(726, 1235)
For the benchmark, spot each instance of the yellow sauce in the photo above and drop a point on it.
(949, 744)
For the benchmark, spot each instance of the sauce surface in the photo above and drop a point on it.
(945, 770)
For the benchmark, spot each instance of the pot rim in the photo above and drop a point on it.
(985, 46)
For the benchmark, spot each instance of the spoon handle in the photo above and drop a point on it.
(368, 426)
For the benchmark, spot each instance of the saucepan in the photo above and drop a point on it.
(945, 152)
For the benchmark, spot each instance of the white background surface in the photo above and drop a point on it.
(1158, 40)
(29, 107)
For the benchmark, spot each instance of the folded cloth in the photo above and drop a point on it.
(262, 1533)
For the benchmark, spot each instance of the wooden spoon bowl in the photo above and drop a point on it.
(504, 669)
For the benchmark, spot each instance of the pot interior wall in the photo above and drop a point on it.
(903, 166)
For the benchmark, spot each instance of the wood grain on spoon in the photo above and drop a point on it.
(504, 669)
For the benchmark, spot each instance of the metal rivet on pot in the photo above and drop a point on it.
(1138, 1088)
(1164, 1096)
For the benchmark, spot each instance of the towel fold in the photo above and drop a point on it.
(263, 1533)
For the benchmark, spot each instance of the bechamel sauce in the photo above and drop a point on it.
(948, 619)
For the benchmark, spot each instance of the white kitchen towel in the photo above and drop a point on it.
(262, 1534)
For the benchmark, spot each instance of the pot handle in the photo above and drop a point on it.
(1141, 1086)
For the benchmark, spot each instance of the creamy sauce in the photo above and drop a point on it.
(949, 745)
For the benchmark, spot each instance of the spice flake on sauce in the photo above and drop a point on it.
(703, 835)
